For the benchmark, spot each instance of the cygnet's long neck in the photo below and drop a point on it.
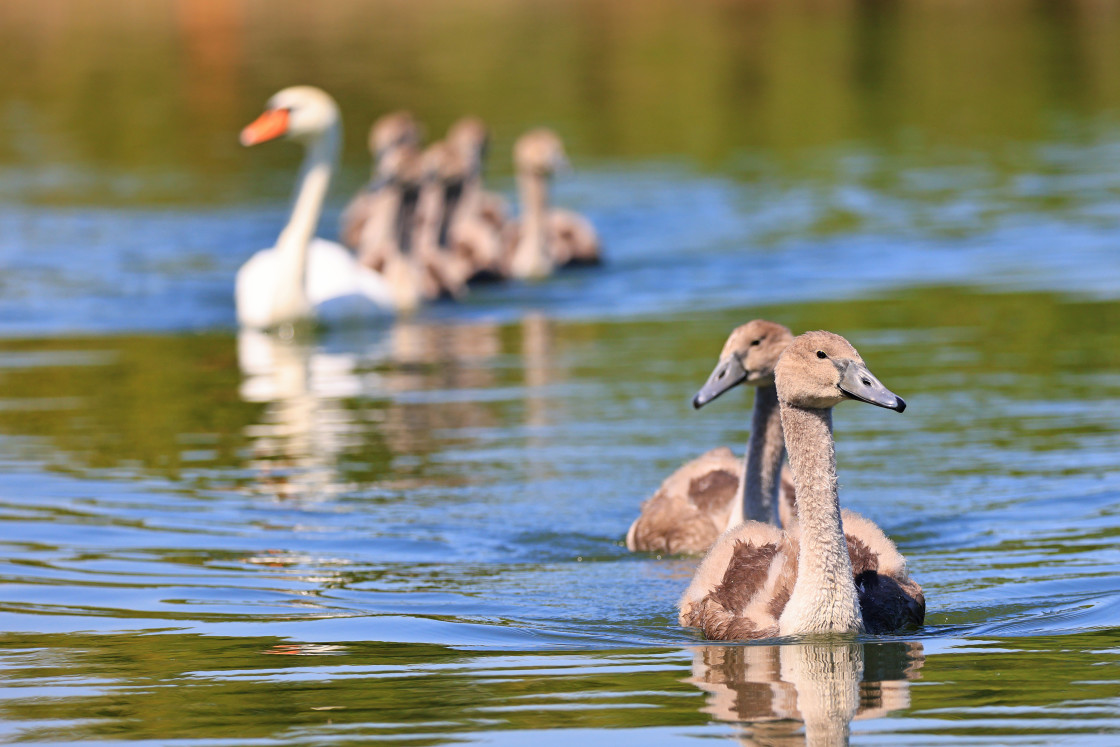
(533, 190)
(824, 596)
(470, 200)
(757, 498)
(431, 209)
(290, 300)
(380, 234)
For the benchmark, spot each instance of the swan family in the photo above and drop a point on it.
(423, 228)
(782, 557)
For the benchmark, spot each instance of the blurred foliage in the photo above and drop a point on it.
(117, 90)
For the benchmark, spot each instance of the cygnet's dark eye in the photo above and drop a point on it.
(755, 342)
(820, 354)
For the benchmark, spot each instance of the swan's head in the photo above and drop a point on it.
(749, 357)
(402, 164)
(539, 152)
(470, 137)
(392, 131)
(821, 369)
(300, 113)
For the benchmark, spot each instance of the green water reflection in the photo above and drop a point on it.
(149, 687)
(170, 405)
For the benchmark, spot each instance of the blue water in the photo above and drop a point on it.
(426, 518)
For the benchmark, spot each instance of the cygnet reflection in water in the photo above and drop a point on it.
(805, 693)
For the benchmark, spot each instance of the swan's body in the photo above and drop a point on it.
(301, 276)
(691, 508)
(544, 238)
(832, 573)
(574, 241)
(335, 289)
(716, 491)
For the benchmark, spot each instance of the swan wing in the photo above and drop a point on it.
(573, 238)
(888, 598)
(691, 508)
(742, 586)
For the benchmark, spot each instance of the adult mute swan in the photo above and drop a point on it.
(303, 277)
(834, 572)
(717, 491)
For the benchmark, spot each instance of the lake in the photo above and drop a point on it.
(412, 533)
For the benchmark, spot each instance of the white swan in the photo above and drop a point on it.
(303, 277)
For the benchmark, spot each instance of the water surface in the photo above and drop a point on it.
(412, 533)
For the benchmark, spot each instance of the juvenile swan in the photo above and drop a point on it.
(389, 134)
(546, 237)
(716, 491)
(826, 575)
(474, 217)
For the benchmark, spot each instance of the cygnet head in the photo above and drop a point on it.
(392, 131)
(441, 162)
(820, 370)
(300, 113)
(469, 137)
(401, 164)
(749, 356)
(539, 152)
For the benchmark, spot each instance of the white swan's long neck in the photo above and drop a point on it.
(757, 498)
(824, 596)
(290, 301)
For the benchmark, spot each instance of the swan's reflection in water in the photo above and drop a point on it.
(806, 693)
(305, 426)
(365, 401)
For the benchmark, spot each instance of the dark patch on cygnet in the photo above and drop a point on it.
(746, 573)
(863, 559)
(783, 590)
(713, 490)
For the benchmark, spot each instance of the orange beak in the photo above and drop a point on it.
(268, 126)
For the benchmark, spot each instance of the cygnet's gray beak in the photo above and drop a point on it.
(860, 384)
(728, 374)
